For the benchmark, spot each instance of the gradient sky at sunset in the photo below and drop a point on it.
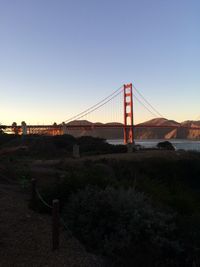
(59, 57)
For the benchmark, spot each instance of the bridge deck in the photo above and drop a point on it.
(92, 126)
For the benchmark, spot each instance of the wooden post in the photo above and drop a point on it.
(55, 224)
(33, 193)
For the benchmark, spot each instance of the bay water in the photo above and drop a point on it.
(177, 143)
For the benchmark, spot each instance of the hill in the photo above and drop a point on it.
(142, 133)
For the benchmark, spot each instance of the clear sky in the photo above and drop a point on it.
(57, 57)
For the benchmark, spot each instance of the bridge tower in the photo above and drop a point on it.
(128, 114)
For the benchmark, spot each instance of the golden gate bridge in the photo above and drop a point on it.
(125, 95)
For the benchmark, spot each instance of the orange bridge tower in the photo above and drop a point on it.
(128, 114)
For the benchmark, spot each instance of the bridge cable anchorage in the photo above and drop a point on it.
(148, 103)
(152, 113)
(88, 109)
(85, 114)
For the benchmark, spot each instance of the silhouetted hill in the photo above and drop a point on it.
(80, 122)
(161, 122)
(142, 133)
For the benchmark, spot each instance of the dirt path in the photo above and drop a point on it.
(25, 237)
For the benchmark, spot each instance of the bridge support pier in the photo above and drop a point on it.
(64, 128)
(24, 128)
(128, 114)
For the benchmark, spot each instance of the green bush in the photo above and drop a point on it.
(77, 177)
(6, 138)
(123, 225)
(165, 145)
(92, 146)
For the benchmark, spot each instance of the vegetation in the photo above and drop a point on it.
(123, 225)
(1, 129)
(58, 146)
(93, 146)
(165, 145)
(121, 209)
(125, 209)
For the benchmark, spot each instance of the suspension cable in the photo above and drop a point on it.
(144, 105)
(94, 106)
(148, 106)
(147, 102)
(85, 114)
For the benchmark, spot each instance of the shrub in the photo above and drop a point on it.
(94, 145)
(165, 145)
(77, 177)
(122, 224)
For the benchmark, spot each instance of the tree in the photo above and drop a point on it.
(1, 129)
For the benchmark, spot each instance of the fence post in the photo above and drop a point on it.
(55, 224)
(33, 192)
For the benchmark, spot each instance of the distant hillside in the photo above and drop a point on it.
(142, 133)
(160, 122)
(80, 122)
(192, 134)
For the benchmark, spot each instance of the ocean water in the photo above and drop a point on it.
(177, 143)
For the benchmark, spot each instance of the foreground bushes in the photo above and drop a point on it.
(38, 146)
(165, 145)
(123, 225)
(77, 177)
(112, 218)
(97, 146)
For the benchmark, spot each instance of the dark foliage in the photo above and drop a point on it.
(58, 146)
(78, 177)
(165, 145)
(6, 138)
(172, 185)
(91, 146)
(123, 225)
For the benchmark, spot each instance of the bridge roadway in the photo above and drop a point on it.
(94, 126)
